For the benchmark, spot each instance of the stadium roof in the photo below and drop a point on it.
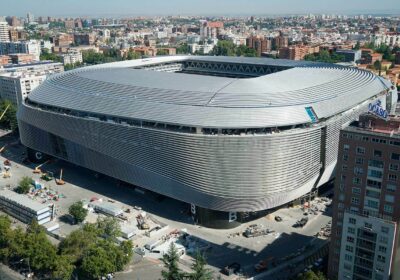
(277, 99)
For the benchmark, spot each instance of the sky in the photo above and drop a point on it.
(195, 7)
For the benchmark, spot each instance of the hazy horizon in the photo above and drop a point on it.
(204, 7)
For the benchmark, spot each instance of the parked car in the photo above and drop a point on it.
(278, 218)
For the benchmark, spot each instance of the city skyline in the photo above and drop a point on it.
(206, 7)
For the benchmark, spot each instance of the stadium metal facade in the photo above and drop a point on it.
(227, 135)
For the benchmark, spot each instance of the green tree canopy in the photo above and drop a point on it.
(77, 211)
(109, 227)
(311, 275)
(25, 184)
(170, 260)
(200, 272)
(96, 263)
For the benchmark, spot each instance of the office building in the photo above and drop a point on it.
(4, 35)
(203, 129)
(366, 213)
(47, 67)
(84, 39)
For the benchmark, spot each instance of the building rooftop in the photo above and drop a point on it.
(23, 201)
(128, 89)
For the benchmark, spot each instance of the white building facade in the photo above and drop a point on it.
(16, 86)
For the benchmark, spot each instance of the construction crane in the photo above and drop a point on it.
(37, 169)
(5, 111)
(2, 148)
(60, 181)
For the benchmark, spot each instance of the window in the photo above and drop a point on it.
(395, 156)
(358, 170)
(375, 163)
(373, 194)
(381, 259)
(385, 229)
(360, 150)
(357, 181)
(345, 157)
(344, 167)
(350, 239)
(394, 143)
(341, 197)
(354, 210)
(374, 184)
(377, 153)
(348, 258)
(375, 173)
(355, 200)
(368, 225)
(391, 188)
(364, 138)
(349, 248)
(372, 204)
(351, 230)
(359, 160)
(355, 190)
(389, 198)
(388, 208)
(340, 205)
(343, 177)
(393, 167)
(392, 177)
(352, 221)
(346, 147)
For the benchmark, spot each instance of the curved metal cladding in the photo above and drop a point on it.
(274, 165)
(227, 173)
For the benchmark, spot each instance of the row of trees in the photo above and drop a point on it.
(89, 252)
(325, 56)
(111, 55)
(228, 48)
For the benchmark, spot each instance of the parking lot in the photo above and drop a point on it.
(224, 246)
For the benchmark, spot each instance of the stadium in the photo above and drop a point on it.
(230, 136)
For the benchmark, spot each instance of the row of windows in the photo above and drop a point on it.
(373, 139)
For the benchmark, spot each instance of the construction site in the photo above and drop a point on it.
(153, 221)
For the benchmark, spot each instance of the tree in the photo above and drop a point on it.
(6, 234)
(77, 242)
(311, 275)
(63, 267)
(170, 260)
(47, 55)
(77, 211)
(96, 263)
(182, 49)
(109, 227)
(200, 272)
(162, 52)
(38, 250)
(24, 185)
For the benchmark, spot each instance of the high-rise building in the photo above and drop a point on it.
(211, 29)
(366, 212)
(30, 18)
(4, 35)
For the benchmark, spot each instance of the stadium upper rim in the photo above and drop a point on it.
(278, 98)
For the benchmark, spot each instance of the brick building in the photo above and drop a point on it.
(366, 211)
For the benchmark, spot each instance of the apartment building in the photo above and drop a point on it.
(366, 213)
